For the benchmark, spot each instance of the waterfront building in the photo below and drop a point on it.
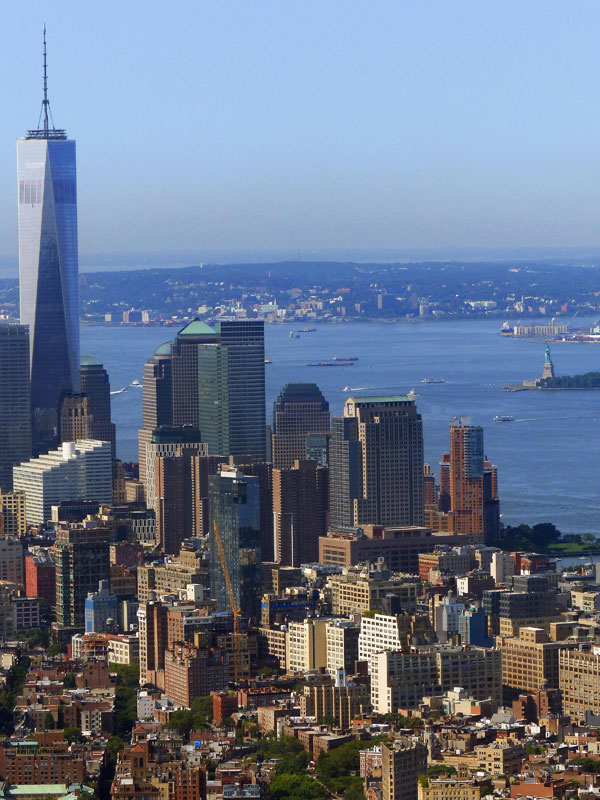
(300, 502)
(79, 470)
(376, 463)
(157, 401)
(15, 401)
(95, 385)
(299, 410)
(235, 507)
(218, 380)
(48, 268)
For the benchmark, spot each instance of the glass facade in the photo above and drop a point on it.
(235, 506)
(48, 275)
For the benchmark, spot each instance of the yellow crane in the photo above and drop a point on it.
(232, 602)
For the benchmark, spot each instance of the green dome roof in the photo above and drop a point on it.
(164, 349)
(90, 361)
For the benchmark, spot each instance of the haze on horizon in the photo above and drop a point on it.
(332, 126)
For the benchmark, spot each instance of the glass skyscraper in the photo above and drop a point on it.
(48, 269)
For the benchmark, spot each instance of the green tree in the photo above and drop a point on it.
(69, 681)
(182, 720)
(296, 787)
(73, 735)
(49, 723)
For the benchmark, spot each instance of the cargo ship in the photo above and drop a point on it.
(433, 380)
(345, 358)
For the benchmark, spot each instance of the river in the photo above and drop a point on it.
(547, 458)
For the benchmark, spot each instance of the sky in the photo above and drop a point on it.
(298, 127)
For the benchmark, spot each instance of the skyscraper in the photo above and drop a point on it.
(235, 506)
(299, 512)
(95, 384)
(376, 463)
(82, 559)
(219, 385)
(299, 410)
(473, 481)
(48, 268)
(15, 401)
(157, 402)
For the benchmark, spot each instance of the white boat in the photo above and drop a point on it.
(503, 418)
(135, 382)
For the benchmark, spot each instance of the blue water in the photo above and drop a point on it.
(547, 458)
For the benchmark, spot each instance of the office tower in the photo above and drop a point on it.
(317, 448)
(473, 483)
(48, 268)
(376, 463)
(219, 385)
(168, 440)
(157, 401)
(95, 384)
(299, 410)
(76, 471)
(82, 559)
(12, 509)
(530, 662)
(263, 470)
(15, 401)
(75, 418)
(579, 682)
(300, 502)
(401, 764)
(235, 507)
(100, 607)
(341, 702)
(181, 486)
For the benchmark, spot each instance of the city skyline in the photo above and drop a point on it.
(460, 158)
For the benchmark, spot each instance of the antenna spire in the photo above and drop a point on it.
(45, 101)
(46, 128)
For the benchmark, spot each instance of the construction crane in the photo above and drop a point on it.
(232, 602)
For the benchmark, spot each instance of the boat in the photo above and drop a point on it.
(347, 389)
(294, 335)
(135, 382)
(432, 380)
(268, 361)
(307, 330)
(412, 393)
(345, 358)
(503, 418)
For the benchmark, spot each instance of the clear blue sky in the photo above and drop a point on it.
(273, 125)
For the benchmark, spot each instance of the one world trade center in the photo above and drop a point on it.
(48, 268)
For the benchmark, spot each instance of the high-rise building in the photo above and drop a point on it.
(401, 765)
(12, 509)
(48, 268)
(168, 441)
(95, 384)
(157, 401)
(153, 632)
(82, 559)
(468, 498)
(76, 471)
(376, 463)
(11, 561)
(40, 576)
(235, 507)
(219, 385)
(15, 401)
(300, 502)
(299, 410)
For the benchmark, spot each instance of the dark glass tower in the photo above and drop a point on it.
(299, 410)
(15, 401)
(48, 268)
